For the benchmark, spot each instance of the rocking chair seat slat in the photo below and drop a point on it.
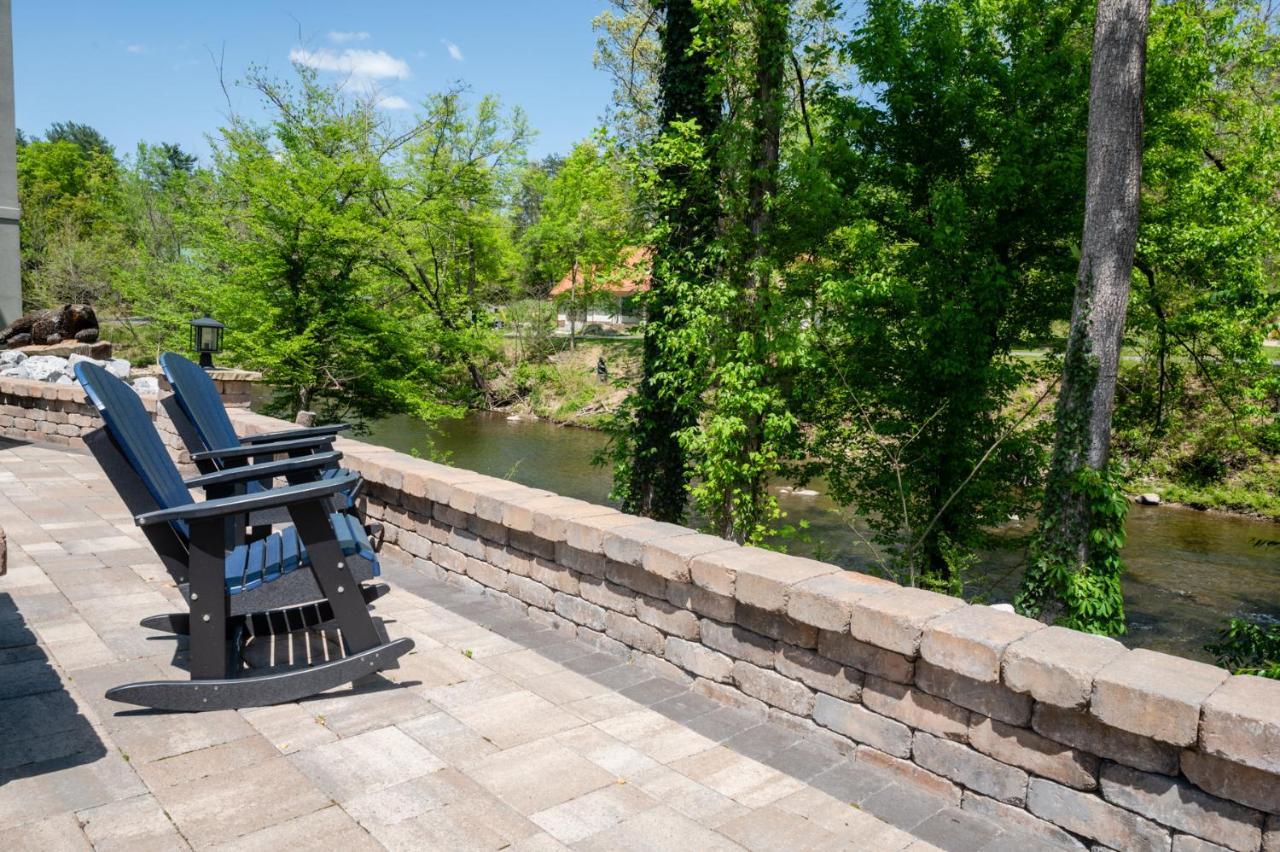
(267, 559)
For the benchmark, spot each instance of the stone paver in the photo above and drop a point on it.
(497, 732)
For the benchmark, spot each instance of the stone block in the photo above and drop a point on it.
(672, 620)
(467, 542)
(860, 724)
(701, 601)
(717, 570)
(555, 576)
(1056, 665)
(1271, 836)
(969, 768)
(487, 530)
(1027, 749)
(916, 708)
(702, 661)
(913, 778)
(766, 584)
(895, 619)
(843, 648)
(776, 626)
(773, 689)
(584, 562)
(634, 633)
(491, 504)
(727, 694)
(1154, 694)
(1079, 729)
(601, 642)
(1089, 816)
(737, 643)
(551, 521)
(1228, 780)
(531, 592)
(670, 557)
(1241, 722)
(971, 640)
(1021, 822)
(1188, 843)
(579, 611)
(486, 575)
(826, 601)
(989, 699)
(606, 594)
(635, 578)
(530, 543)
(818, 672)
(517, 514)
(627, 543)
(1179, 805)
(587, 532)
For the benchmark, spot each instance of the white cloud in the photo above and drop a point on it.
(454, 50)
(392, 102)
(362, 64)
(135, 48)
(344, 37)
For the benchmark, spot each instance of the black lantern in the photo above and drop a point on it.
(206, 338)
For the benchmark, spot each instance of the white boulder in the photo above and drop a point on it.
(119, 368)
(147, 386)
(11, 357)
(46, 368)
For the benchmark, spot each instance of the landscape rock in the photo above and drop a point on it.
(147, 386)
(11, 357)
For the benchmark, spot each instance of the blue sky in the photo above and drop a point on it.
(142, 70)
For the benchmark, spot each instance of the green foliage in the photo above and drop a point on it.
(950, 185)
(1084, 596)
(1248, 649)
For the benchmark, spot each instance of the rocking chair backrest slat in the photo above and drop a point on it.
(135, 434)
(199, 398)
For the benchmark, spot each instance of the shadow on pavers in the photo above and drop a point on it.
(41, 726)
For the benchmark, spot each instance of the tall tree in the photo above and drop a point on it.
(652, 477)
(1075, 573)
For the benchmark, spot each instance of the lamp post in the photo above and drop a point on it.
(206, 338)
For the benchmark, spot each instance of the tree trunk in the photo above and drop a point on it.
(655, 473)
(1113, 177)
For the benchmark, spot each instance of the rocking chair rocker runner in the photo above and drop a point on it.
(291, 580)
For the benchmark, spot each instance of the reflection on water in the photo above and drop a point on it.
(1188, 571)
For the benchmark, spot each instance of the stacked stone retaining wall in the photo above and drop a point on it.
(1072, 736)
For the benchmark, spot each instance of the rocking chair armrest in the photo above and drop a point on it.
(247, 473)
(294, 434)
(243, 503)
(242, 452)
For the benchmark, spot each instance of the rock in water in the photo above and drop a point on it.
(1149, 499)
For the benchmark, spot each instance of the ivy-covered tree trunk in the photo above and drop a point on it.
(655, 473)
(1075, 572)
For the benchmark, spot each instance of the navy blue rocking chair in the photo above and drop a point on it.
(198, 414)
(306, 575)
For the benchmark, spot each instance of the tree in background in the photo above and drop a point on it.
(944, 214)
(652, 476)
(587, 221)
(291, 239)
(526, 212)
(1074, 576)
(444, 240)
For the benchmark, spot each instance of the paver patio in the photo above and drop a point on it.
(496, 733)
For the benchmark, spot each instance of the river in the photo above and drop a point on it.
(1188, 571)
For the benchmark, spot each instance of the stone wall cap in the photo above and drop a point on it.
(971, 640)
(826, 601)
(1241, 722)
(896, 619)
(1155, 695)
(1057, 665)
